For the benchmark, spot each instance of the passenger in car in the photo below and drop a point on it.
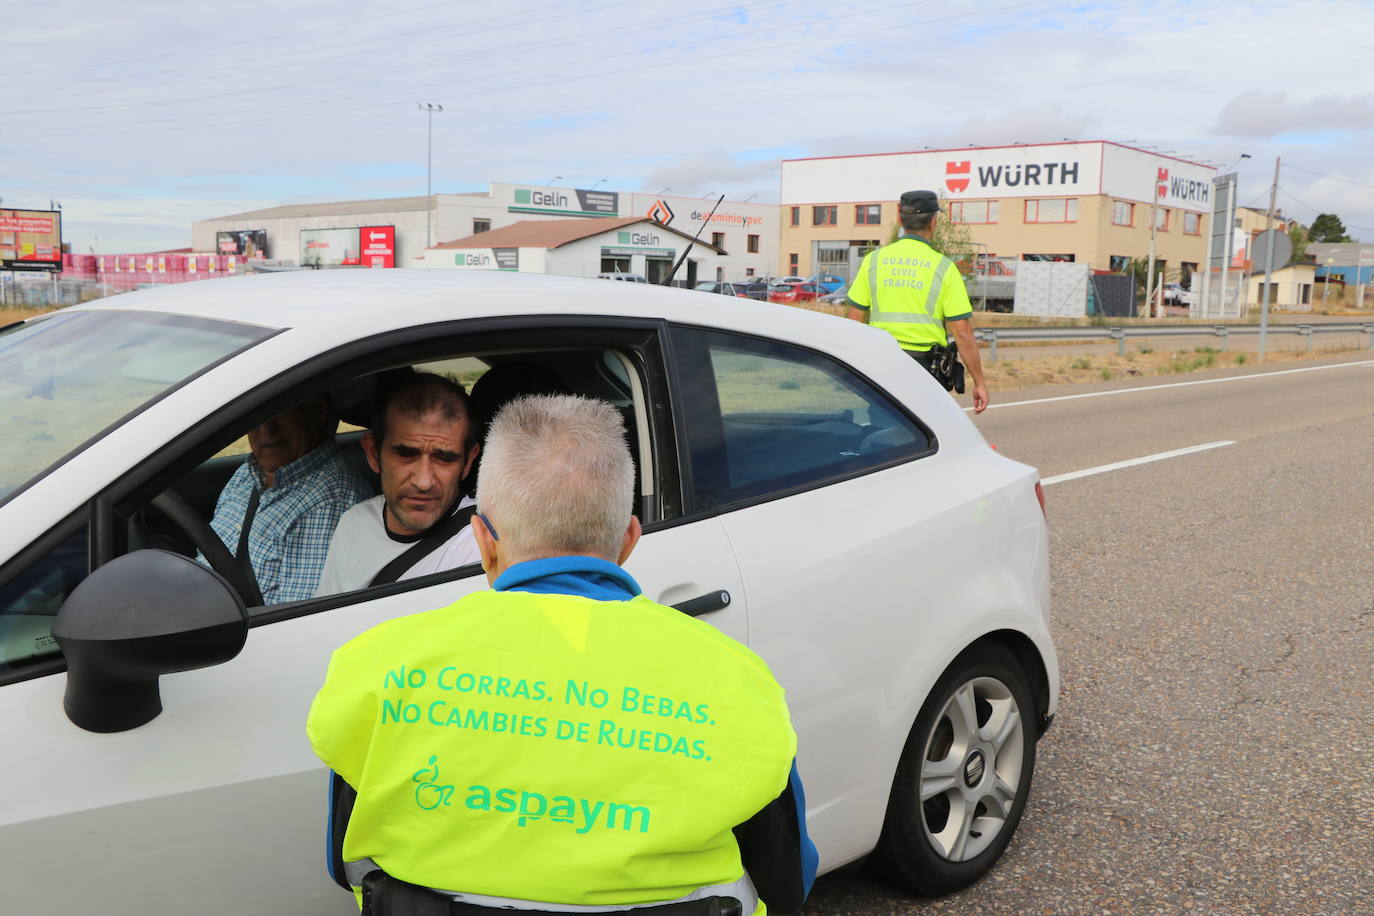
(423, 442)
(279, 509)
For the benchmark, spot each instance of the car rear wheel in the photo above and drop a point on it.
(964, 776)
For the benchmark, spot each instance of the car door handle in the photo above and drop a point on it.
(704, 604)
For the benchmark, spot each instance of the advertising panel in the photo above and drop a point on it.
(1044, 170)
(487, 259)
(329, 248)
(630, 242)
(1137, 175)
(566, 202)
(30, 239)
(247, 243)
(378, 246)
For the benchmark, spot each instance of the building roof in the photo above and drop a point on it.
(1342, 254)
(334, 208)
(555, 233)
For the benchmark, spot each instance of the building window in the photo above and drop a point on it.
(481, 225)
(753, 244)
(1119, 263)
(1192, 224)
(718, 239)
(868, 215)
(978, 211)
(796, 216)
(792, 265)
(1052, 210)
(748, 271)
(824, 216)
(1123, 213)
(1162, 219)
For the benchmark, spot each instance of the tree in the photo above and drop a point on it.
(1299, 237)
(1327, 227)
(951, 239)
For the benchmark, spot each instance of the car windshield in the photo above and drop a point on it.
(67, 377)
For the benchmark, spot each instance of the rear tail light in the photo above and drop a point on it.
(1040, 495)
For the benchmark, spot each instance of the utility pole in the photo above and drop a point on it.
(1150, 271)
(429, 108)
(1268, 259)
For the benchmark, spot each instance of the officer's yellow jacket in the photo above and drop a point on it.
(552, 748)
(910, 290)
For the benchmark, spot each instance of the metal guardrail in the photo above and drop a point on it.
(991, 336)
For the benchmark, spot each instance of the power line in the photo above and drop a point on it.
(1331, 177)
(1303, 203)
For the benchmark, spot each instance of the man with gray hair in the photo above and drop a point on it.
(561, 743)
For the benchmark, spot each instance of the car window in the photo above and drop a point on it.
(292, 529)
(764, 416)
(65, 378)
(30, 600)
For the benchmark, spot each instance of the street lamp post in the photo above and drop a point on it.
(429, 108)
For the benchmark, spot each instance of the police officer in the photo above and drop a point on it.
(560, 741)
(916, 294)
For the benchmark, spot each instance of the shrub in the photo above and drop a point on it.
(1081, 363)
(1241, 359)
(1107, 374)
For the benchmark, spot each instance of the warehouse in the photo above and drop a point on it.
(395, 232)
(1088, 202)
(633, 245)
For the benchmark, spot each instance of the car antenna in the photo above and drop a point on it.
(668, 281)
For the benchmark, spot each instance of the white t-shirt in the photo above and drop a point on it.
(361, 546)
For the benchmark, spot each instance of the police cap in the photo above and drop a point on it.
(919, 202)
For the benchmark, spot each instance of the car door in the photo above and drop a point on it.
(821, 482)
(218, 804)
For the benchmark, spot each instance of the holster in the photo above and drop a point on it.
(384, 895)
(943, 364)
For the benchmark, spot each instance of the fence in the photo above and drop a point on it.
(991, 336)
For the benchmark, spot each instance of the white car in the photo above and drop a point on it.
(803, 485)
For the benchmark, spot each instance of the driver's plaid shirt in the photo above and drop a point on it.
(289, 538)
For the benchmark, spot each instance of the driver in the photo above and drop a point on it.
(278, 510)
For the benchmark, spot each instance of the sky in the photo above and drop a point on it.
(143, 116)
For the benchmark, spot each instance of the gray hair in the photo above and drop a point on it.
(557, 478)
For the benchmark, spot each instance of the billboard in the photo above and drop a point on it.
(487, 259)
(565, 202)
(329, 248)
(248, 243)
(30, 239)
(378, 246)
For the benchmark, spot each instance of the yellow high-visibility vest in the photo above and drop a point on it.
(910, 291)
(553, 748)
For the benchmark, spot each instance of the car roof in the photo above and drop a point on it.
(366, 301)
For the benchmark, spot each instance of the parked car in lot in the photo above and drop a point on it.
(627, 278)
(803, 486)
(828, 282)
(716, 286)
(1175, 294)
(794, 292)
(781, 281)
(753, 287)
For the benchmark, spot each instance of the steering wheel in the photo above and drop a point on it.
(171, 504)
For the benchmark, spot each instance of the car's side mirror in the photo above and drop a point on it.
(142, 615)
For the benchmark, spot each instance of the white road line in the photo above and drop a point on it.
(1206, 381)
(1116, 466)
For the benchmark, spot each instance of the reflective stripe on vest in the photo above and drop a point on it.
(742, 890)
(553, 748)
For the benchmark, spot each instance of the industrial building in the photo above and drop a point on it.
(397, 232)
(1088, 202)
(633, 245)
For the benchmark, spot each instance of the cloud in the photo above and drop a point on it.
(713, 171)
(1262, 114)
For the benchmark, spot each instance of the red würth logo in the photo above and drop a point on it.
(1161, 182)
(958, 168)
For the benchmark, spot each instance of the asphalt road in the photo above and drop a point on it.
(1214, 615)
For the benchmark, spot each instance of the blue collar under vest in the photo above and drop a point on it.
(589, 577)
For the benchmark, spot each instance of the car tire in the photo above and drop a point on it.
(972, 753)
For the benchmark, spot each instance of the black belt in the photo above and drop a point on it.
(384, 895)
